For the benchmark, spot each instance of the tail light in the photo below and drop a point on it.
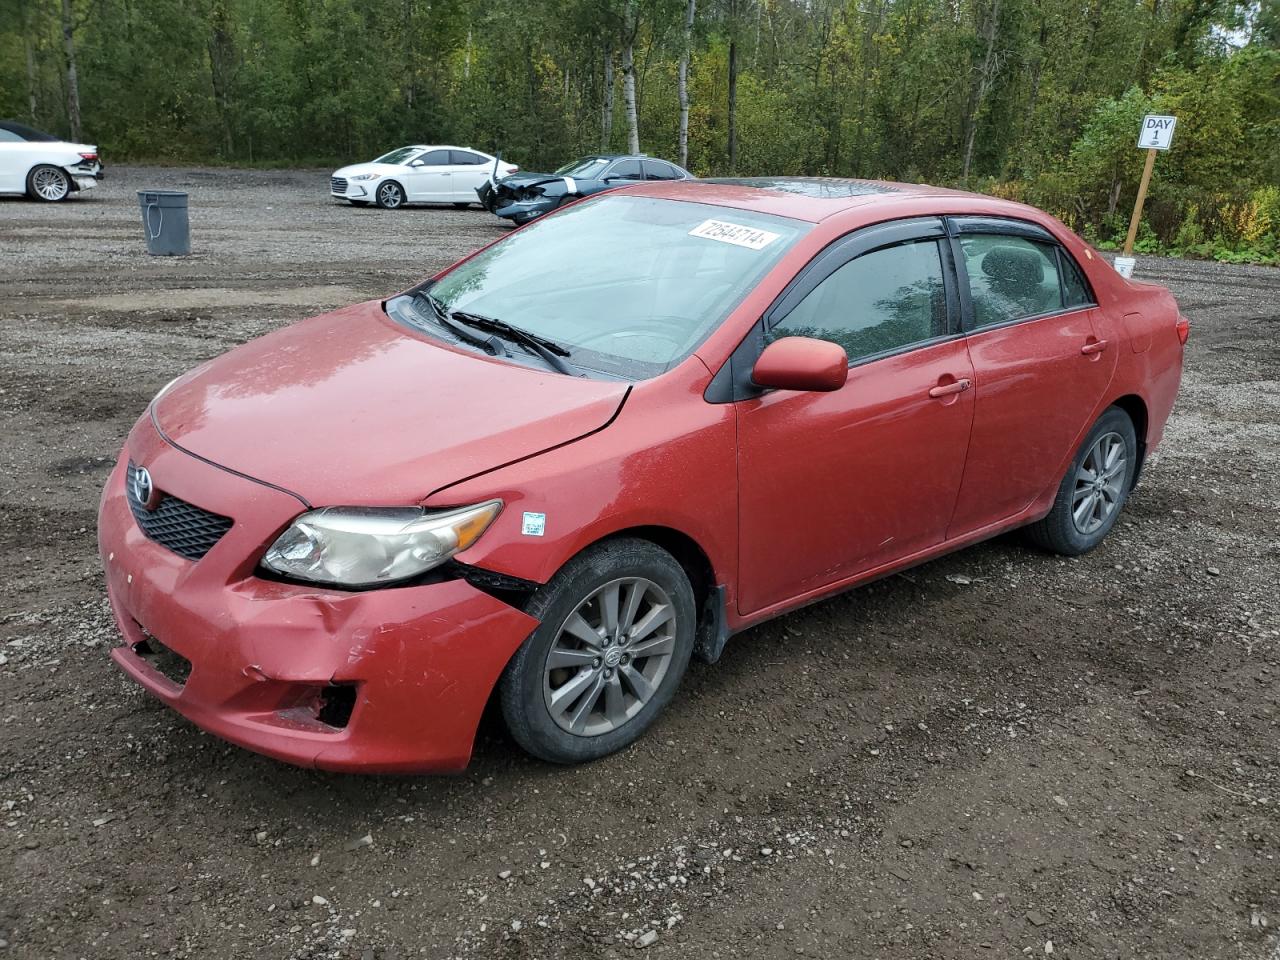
(514, 169)
(88, 157)
(1183, 326)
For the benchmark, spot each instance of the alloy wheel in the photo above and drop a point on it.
(1099, 483)
(389, 195)
(50, 184)
(610, 656)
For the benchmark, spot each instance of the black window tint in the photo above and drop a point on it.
(434, 158)
(657, 170)
(1010, 277)
(465, 157)
(625, 170)
(1074, 288)
(883, 300)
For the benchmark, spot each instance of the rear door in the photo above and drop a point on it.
(1042, 360)
(467, 171)
(430, 176)
(832, 485)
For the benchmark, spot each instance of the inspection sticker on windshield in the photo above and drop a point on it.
(534, 525)
(734, 233)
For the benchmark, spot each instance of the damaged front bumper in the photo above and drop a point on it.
(522, 201)
(382, 681)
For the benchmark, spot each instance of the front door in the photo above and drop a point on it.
(1042, 359)
(429, 177)
(833, 485)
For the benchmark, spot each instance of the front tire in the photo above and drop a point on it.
(617, 630)
(390, 195)
(1094, 490)
(48, 183)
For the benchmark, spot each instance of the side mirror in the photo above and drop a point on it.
(801, 363)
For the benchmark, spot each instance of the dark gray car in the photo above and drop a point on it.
(522, 197)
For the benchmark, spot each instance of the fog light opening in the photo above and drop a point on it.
(335, 705)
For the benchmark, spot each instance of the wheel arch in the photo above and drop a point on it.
(1136, 409)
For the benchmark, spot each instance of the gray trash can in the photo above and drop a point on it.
(164, 217)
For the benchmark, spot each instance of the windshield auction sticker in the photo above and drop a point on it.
(734, 233)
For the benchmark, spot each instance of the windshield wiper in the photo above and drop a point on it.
(445, 319)
(548, 350)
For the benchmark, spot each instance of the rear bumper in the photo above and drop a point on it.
(263, 656)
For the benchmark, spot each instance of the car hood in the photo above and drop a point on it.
(351, 408)
(378, 169)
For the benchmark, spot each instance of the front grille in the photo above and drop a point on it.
(182, 527)
(338, 185)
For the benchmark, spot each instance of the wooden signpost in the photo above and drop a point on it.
(1156, 134)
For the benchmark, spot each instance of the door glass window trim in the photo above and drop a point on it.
(427, 161)
(1002, 226)
(732, 382)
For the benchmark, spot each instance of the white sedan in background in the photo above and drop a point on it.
(42, 166)
(418, 174)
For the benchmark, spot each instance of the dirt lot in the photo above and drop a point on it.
(999, 753)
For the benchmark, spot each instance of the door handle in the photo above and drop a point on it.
(946, 389)
(1093, 346)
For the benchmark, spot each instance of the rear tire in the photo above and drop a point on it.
(390, 195)
(1094, 490)
(617, 630)
(48, 183)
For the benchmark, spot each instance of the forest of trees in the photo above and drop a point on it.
(1038, 100)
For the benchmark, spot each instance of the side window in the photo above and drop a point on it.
(465, 158)
(1010, 277)
(1075, 289)
(8, 136)
(657, 170)
(624, 170)
(883, 300)
(435, 158)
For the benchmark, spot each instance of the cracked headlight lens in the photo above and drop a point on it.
(375, 546)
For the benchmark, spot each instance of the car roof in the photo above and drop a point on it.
(31, 134)
(815, 198)
(439, 146)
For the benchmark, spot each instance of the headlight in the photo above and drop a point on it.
(363, 176)
(374, 546)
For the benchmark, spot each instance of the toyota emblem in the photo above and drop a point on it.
(143, 488)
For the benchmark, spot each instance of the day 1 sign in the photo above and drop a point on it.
(1157, 132)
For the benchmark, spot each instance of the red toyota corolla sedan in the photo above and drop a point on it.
(604, 444)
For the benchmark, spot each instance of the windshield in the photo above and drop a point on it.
(585, 168)
(398, 156)
(629, 285)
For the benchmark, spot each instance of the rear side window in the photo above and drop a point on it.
(465, 158)
(879, 302)
(435, 158)
(625, 170)
(8, 136)
(657, 170)
(1075, 291)
(1010, 278)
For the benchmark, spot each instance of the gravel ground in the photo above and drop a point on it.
(996, 754)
